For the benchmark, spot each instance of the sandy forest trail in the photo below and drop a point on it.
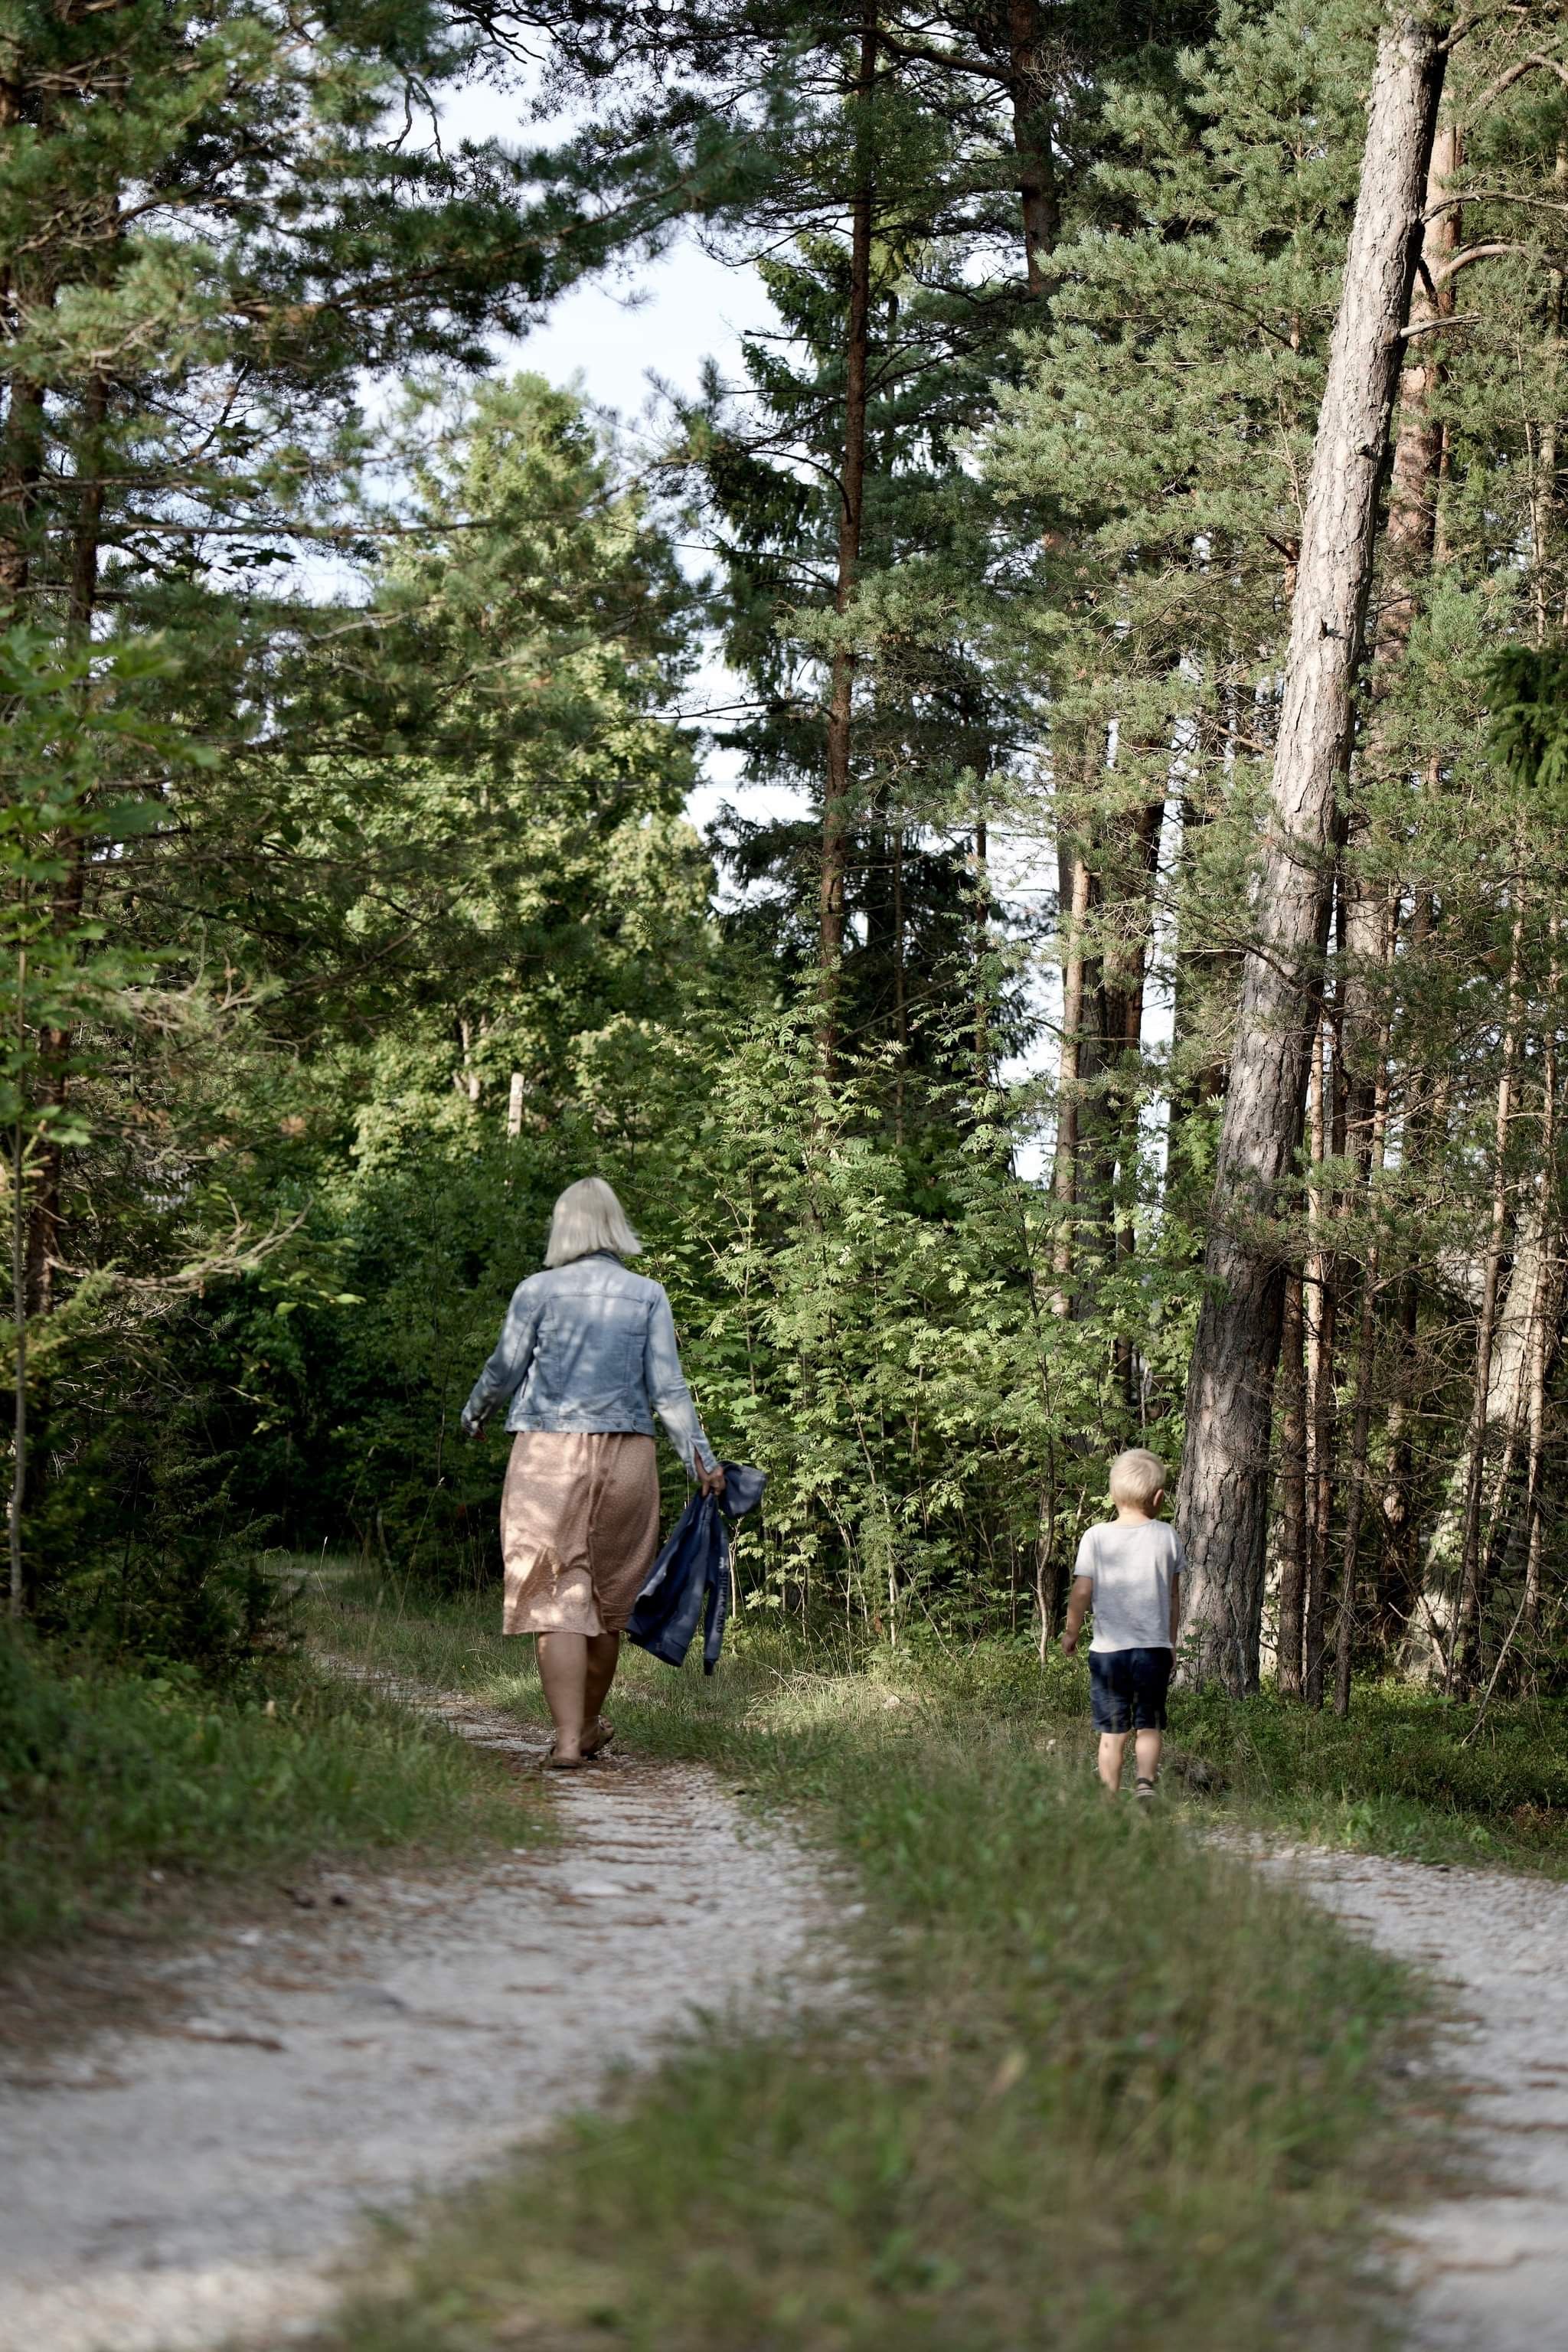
(194, 2178)
(1487, 2271)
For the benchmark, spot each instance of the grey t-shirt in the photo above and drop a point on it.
(1131, 1565)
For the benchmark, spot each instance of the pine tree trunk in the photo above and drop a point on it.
(1028, 92)
(1534, 1518)
(1207, 1081)
(900, 983)
(1399, 1576)
(1409, 543)
(852, 485)
(1127, 980)
(1465, 1650)
(1321, 1303)
(982, 950)
(56, 1044)
(1223, 1493)
(1292, 1493)
(1064, 1168)
(22, 444)
(1361, 1423)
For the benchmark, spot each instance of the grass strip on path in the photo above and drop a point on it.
(1102, 2087)
(121, 1792)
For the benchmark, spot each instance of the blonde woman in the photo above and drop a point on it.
(587, 1355)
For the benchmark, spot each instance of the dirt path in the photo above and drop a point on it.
(1489, 2270)
(191, 2179)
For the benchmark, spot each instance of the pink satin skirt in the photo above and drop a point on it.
(579, 1530)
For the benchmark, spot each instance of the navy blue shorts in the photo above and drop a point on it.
(1127, 1689)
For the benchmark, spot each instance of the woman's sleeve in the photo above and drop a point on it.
(507, 1369)
(668, 1392)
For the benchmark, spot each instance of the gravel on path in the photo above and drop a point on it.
(1486, 2271)
(195, 2178)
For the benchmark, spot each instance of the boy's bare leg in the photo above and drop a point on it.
(1146, 1757)
(1113, 1752)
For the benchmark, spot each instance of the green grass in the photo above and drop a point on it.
(1399, 1777)
(1102, 2087)
(107, 1776)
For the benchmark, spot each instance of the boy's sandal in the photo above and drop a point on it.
(1145, 1790)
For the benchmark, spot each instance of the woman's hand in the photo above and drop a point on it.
(712, 1482)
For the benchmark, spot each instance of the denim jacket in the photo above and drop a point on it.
(688, 1584)
(590, 1346)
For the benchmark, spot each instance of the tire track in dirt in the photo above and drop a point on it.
(195, 2178)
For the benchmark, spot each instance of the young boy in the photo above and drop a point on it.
(1130, 1576)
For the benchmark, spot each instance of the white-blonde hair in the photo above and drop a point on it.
(1136, 1477)
(588, 1217)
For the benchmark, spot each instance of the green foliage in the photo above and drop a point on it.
(392, 679)
(1530, 717)
(1407, 1773)
(106, 1776)
(871, 1320)
(74, 724)
(459, 857)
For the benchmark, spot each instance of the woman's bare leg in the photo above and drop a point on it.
(604, 1653)
(563, 1671)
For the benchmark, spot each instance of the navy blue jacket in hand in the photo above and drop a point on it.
(689, 1581)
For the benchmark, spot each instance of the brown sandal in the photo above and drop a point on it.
(551, 1762)
(606, 1733)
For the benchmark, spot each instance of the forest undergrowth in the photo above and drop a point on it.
(141, 1794)
(1100, 2083)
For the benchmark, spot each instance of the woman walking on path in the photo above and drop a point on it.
(587, 1355)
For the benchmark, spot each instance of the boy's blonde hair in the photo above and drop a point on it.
(1136, 1477)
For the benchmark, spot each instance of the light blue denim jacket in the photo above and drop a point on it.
(590, 1346)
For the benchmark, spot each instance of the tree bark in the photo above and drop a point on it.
(18, 1307)
(1028, 91)
(1064, 1168)
(1222, 1498)
(22, 446)
(55, 1044)
(1465, 1649)
(1126, 973)
(982, 856)
(852, 487)
(1321, 1305)
(1361, 1424)
(1409, 545)
(1292, 1493)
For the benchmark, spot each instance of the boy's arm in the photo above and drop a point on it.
(1175, 1605)
(1079, 1599)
